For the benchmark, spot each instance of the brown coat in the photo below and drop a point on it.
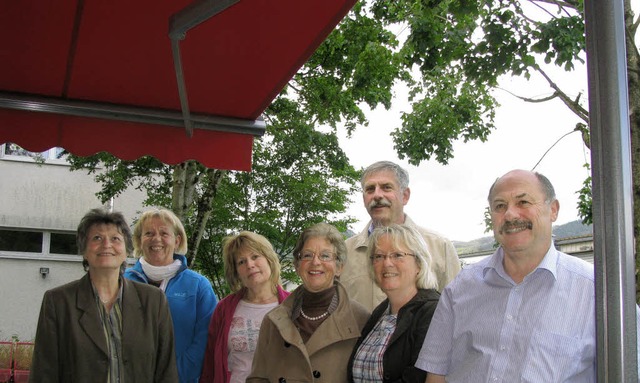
(281, 356)
(70, 345)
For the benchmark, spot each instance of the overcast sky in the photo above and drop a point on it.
(451, 199)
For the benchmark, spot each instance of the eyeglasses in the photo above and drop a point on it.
(397, 256)
(325, 256)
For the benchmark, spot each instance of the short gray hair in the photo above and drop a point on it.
(401, 175)
(328, 232)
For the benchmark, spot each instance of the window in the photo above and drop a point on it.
(14, 151)
(63, 244)
(39, 242)
(21, 241)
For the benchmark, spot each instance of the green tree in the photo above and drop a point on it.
(462, 48)
(300, 174)
(452, 58)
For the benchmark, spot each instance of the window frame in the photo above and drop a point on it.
(46, 253)
(38, 157)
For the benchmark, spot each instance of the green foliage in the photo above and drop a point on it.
(488, 223)
(585, 210)
(450, 53)
(461, 49)
(115, 176)
(452, 111)
(300, 176)
(561, 41)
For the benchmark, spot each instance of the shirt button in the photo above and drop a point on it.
(509, 317)
(502, 348)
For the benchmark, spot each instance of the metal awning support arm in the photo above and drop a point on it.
(179, 24)
(80, 108)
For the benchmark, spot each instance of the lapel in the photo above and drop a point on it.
(403, 321)
(339, 326)
(281, 318)
(89, 316)
(406, 313)
(132, 313)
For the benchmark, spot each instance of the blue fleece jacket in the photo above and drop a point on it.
(191, 301)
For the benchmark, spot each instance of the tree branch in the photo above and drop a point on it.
(554, 144)
(574, 105)
(532, 100)
(535, 3)
(561, 4)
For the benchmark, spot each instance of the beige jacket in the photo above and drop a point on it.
(281, 355)
(356, 277)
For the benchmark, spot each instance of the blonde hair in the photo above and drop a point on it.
(405, 236)
(234, 244)
(166, 216)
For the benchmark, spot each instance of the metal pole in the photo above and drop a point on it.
(612, 192)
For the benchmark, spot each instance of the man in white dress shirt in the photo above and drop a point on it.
(525, 314)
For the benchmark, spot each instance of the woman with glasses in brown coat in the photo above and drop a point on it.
(309, 337)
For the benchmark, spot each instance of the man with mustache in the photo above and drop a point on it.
(385, 191)
(525, 314)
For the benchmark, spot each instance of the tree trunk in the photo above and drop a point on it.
(186, 177)
(204, 207)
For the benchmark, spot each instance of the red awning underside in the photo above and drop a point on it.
(118, 52)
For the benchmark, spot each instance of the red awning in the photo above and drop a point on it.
(94, 76)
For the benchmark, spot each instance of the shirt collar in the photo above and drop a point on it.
(549, 263)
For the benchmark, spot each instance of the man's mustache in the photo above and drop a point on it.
(380, 203)
(515, 224)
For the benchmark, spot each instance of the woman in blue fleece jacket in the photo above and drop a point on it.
(159, 238)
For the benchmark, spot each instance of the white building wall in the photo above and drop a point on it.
(43, 197)
(52, 197)
(22, 290)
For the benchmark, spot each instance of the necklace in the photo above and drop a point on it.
(305, 316)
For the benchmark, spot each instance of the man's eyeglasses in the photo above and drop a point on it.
(325, 256)
(397, 256)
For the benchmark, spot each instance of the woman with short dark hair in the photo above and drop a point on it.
(102, 327)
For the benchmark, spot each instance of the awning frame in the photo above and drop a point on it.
(128, 113)
(179, 24)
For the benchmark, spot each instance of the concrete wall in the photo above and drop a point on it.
(22, 289)
(47, 197)
(52, 197)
